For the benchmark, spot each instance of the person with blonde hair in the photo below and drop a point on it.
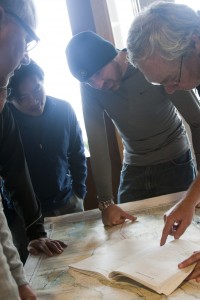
(164, 44)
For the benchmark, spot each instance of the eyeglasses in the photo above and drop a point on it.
(172, 82)
(28, 98)
(180, 71)
(35, 39)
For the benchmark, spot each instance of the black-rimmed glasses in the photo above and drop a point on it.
(35, 39)
(180, 71)
(172, 82)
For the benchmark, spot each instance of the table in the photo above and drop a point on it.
(84, 232)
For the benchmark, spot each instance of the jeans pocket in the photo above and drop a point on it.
(183, 159)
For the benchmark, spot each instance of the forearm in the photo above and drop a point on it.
(8, 286)
(10, 252)
(101, 170)
(98, 145)
(196, 145)
(78, 170)
(193, 194)
(189, 107)
(36, 230)
(26, 204)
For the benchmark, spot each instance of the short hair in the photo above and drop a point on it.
(165, 28)
(23, 8)
(20, 74)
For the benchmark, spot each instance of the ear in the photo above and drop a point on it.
(195, 43)
(2, 20)
(2, 15)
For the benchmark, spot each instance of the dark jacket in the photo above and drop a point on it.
(55, 153)
(13, 169)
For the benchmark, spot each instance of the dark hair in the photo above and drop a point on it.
(20, 74)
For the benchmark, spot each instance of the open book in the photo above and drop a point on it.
(143, 261)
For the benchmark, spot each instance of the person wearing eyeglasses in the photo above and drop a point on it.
(164, 44)
(17, 25)
(157, 158)
(52, 141)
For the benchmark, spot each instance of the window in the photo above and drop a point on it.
(192, 3)
(121, 14)
(55, 32)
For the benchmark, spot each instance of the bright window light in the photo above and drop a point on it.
(55, 32)
(194, 4)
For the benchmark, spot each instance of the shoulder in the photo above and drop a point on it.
(88, 91)
(59, 104)
(59, 107)
(57, 101)
(7, 114)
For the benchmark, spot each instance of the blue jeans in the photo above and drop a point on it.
(73, 205)
(138, 182)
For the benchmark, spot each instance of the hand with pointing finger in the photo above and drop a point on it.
(177, 219)
(114, 215)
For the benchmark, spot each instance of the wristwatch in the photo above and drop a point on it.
(104, 204)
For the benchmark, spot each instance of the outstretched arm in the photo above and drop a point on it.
(93, 112)
(11, 271)
(189, 107)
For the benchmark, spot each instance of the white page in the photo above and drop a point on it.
(110, 257)
(159, 265)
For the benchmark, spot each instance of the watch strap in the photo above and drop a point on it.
(104, 204)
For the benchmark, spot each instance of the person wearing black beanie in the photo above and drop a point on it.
(157, 159)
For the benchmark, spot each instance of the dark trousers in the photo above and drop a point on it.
(137, 183)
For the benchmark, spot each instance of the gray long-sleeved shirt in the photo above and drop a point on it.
(147, 120)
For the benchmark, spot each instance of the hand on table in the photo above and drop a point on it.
(114, 215)
(47, 246)
(177, 219)
(26, 292)
(194, 258)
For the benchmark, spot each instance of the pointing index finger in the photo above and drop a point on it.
(128, 216)
(166, 231)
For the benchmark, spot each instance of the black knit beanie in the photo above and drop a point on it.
(87, 53)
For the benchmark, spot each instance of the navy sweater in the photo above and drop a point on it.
(54, 152)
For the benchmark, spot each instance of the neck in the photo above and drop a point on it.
(4, 82)
(3, 95)
(122, 60)
(3, 87)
